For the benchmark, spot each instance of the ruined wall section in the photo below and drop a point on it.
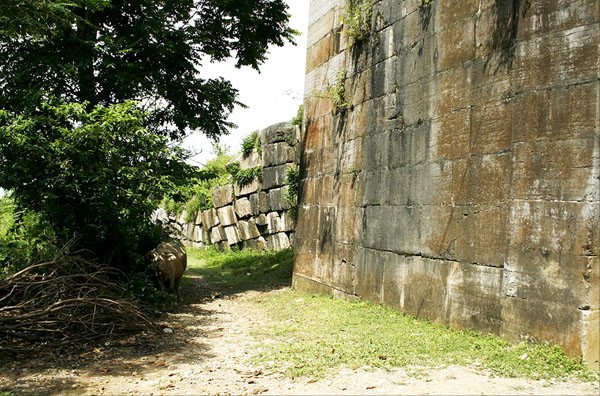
(256, 215)
(462, 182)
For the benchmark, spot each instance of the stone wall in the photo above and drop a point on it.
(462, 182)
(253, 216)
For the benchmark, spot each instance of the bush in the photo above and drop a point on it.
(251, 143)
(358, 20)
(25, 238)
(95, 172)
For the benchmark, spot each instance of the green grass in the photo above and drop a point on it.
(238, 271)
(308, 335)
(313, 333)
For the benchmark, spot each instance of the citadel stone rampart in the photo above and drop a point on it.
(459, 181)
(256, 215)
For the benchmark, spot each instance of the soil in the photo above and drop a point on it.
(204, 349)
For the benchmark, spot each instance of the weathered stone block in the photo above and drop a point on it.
(160, 216)
(278, 154)
(226, 215)
(217, 234)
(282, 132)
(256, 244)
(288, 222)
(182, 218)
(278, 242)
(247, 189)
(261, 219)
(263, 202)
(198, 220)
(243, 208)
(274, 223)
(210, 218)
(274, 176)
(277, 199)
(222, 196)
(232, 235)
(251, 160)
(246, 231)
(254, 204)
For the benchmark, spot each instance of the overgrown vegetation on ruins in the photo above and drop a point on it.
(357, 20)
(96, 95)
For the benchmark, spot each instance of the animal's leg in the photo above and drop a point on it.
(177, 289)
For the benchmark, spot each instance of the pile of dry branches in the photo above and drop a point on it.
(66, 300)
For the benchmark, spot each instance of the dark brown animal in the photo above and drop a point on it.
(168, 261)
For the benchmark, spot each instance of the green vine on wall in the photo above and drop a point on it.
(244, 177)
(292, 180)
(338, 93)
(357, 20)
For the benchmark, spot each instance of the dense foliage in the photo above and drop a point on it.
(95, 173)
(95, 95)
(196, 195)
(108, 51)
(251, 143)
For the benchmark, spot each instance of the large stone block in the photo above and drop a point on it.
(247, 189)
(278, 199)
(251, 160)
(210, 218)
(263, 202)
(222, 196)
(274, 176)
(226, 215)
(279, 154)
(217, 234)
(254, 203)
(282, 132)
(243, 208)
(288, 222)
(257, 244)
(248, 230)
(278, 242)
(274, 223)
(232, 235)
(160, 216)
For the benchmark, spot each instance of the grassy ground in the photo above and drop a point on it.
(309, 334)
(238, 271)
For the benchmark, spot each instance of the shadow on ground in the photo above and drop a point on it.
(184, 335)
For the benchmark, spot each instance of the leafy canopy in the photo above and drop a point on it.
(108, 51)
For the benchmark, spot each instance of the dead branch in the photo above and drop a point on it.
(66, 300)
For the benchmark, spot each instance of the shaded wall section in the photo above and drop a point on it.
(461, 183)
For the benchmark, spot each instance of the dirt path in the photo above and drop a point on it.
(207, 353)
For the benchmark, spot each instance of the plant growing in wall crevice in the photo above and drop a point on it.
(338, 93)
(244, 177)
(250, 143)
(357, 20)
(292, 180)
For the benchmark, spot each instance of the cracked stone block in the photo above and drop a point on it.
(222, 196)
(243, 208)
(226, 215)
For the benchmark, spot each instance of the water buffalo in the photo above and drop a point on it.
(168, 261)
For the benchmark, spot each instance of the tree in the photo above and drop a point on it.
(108, 51)
(95, 93)
(95, 173)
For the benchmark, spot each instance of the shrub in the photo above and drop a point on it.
(357, 20)
(251, 143)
